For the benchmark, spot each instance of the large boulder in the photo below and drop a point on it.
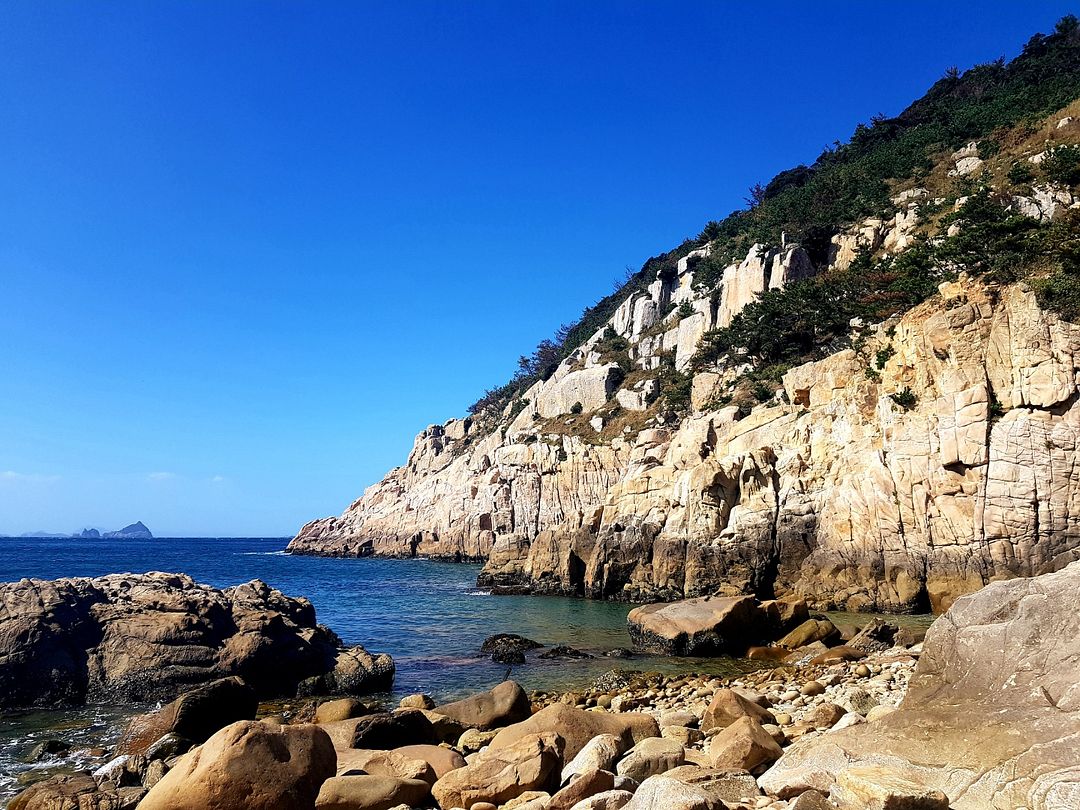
(149, 637)
(369, 792)
(400, 765)
(707, 625)
(991, 717)
(499, 775)
(193, 717)
(743, 746)
(664, 793)
(382, 731)
(500, 706)
(727, 706)
(577, 727)
(249, 766)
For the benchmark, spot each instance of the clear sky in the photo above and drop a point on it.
(248, 250)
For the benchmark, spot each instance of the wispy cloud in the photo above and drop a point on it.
(27, 478)
(217, 479)
(161, 476)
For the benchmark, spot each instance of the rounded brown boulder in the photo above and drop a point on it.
(367, 792)
(501, 705)
(577, 727)
(249, 766)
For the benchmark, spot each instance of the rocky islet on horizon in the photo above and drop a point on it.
(133, 531)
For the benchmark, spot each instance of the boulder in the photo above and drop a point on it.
(598, 754)
(441, 759)
(508, 648)
(498, 775)
(447, 729)
(190, 719)
(726, 786)
(398, 764)
(76, 792)
(706, 625)
(581, 787)
(808, 632)
(577, 727)
(500, 706)
(1006, 653)
(248, 766)
(383, 730)
(664, 793)
(651, 756)
(876, 636)
(149, 637)
(366, 792)
(417, 701)
(727, 706)
(608, 800)
(331, 711)
(743, 746)
(872, 787)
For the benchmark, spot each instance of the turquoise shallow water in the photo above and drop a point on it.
(428, 615)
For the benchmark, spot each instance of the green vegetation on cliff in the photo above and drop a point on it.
(996, 105)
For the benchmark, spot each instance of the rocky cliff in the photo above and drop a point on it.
(887, 463)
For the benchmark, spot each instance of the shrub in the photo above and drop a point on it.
(685, 310)
(905, 398)
(882, 357)
(1020, 173)
(1062, 165)
(577, 408)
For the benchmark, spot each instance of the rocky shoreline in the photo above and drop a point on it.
(144, 637)
(870, 718)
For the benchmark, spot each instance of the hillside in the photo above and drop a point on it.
(862, 388)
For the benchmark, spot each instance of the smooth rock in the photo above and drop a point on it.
(370, 792)
(577, 727)
(664, 793)
(531, 762)
(248, 766)
(500, 706)
(598, 754)
(743, 746)
(650, 757)
(727, 706)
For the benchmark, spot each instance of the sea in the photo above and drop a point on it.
(428, 615)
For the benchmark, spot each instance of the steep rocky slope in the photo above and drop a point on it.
(911, 458)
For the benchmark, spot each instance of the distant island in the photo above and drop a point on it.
(133, 531)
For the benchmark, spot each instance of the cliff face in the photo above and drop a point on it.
(839, 494)
(911, 461)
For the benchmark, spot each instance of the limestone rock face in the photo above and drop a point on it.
(143, 637)
(991, 717)
(940, 458)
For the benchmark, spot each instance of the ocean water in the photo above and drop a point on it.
(428, 615)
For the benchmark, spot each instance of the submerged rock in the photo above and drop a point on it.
(508, 648)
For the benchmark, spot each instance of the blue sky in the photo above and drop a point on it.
(248, 250)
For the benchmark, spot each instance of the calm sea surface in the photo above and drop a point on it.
(428, 615)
